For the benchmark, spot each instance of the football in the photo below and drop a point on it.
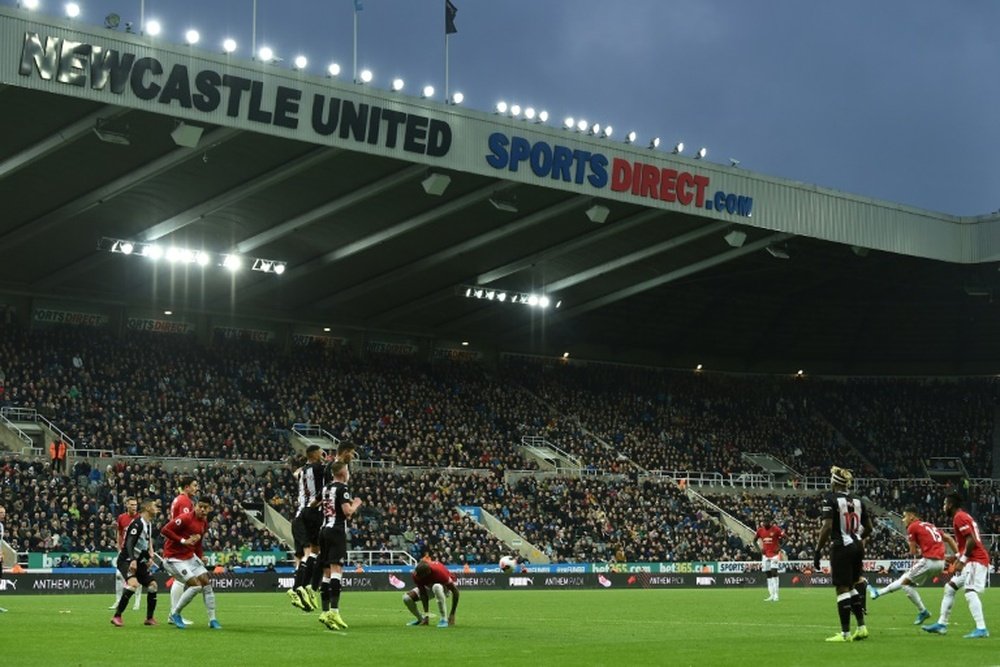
(508, 564)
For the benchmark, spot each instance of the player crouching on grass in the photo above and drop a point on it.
(133, 563)
(182, 558)
(435, 576)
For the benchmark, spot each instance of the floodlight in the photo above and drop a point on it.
(654, 142)
(733, 162)
(333, 69)
(595, 129)
(529, 113)
(608, 130)
(678, 148)
(153, 28)
(631, 137)
(126, 247)
(192, 36)
(544, 301)
(457, 98)
(366, 76)
(202, 258)
(111, 21)
(702, 152)
(397, 84)
(72, 10)
(543, 116)
(532, 299)
(301, 62)
(154, 252)
(229, 45)
(581, 125)
(428, 91)
(569, 123)
(279, 268)
(266, 53)
(515, 110)
(501, 107)
(29, 4)
(232, 262)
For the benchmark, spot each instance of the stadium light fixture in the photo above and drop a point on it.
(800, 373)
(72, 10)
(543, 116)
(232, 262)
(607, 132)
(300, 62)
(465, 343)
(595, 129)
(515, 110)
(397, 84)
(153, 28)
(699, 367)
(569, 123)
(266, 265)
(654, 142)
(542, 301)
(427, 92)
(581, 125)
(678, 148)
(500, 107)
(266, 54)
(366, 76)
(333, 70)
(29, 4)
(326, 329)
(733, 162)
(168, 312)
(529, 113)
(565, 355)
(702, 152)
(192, 37)
(457, 97)
(228, 45)
(154, 252)
(631, 137)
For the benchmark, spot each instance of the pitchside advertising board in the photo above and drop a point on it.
(264, 582)
(131, 71)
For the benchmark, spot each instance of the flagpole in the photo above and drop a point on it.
(142, 17)
(253, 33)
(447, 41)
(355, 44)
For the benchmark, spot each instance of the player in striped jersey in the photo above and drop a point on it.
(305, 529)
(845, 522)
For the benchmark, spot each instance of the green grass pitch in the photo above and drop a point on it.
(606, 627)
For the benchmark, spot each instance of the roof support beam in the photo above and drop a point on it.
(196, 213)
(671, 276)
(55, 141)
(406, 271)
(568, 246)
(364, 243)
(637, 256)
(101, 195)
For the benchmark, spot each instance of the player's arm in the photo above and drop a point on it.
(350, 508)
(172, 529)
(424, 597)
(970, 545)
(131, 538)
(914, 549)
(866, 524)
(952, 544)
(824, 536)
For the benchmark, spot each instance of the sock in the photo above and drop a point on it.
(317, 575)
(325, 593)
(138, 598)
(946, 603)
(119, 586)
(914, 596)
(176, 591)
(127, 594)
(208, 595)
(335, 591)
(189, 593)
(858, 607)
(300, 574)
(775, 585)
(150, 603)
(411, 604)
(309, 570)
(438, 591)
(844, 611)
(862, 588)
(976, 609)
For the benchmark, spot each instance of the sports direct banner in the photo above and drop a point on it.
(264, 582)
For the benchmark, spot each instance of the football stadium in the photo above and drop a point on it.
(292, 363)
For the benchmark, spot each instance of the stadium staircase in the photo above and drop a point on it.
(728, 521)
(504, 533)
(546, 455)
(304, 435)
(782, 473)
(26, 431)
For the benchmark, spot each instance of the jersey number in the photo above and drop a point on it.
(934, 533)
(852, 522)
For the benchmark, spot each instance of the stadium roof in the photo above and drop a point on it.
(821, 280)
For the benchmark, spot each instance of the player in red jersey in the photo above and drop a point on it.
(972, 567)
(927, 542)
(768, 539)
(122, 524)
(182, 556)
(182, 504)
(441, 582)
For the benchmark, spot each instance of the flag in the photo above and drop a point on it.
(359, 5)
(449, 18)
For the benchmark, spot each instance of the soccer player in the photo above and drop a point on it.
(972, 569)
(338, 507)
(305, 530)
(927, 542)
(3, 517)
(182, 556)
(845, 521)
(181, 505)
(133, 562)
(768, 539)
(435, 576)
(123, 521)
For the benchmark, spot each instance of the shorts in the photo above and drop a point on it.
(769, 563)
(923, 570)
(973, 576)
(305, 530)
(184, 570)
(845, 564)
(141, 573)
(333, 546)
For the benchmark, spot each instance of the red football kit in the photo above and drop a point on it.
(966, 527)
(123, 521)
(927, 538)
(770, 540)
(179, 529)
(182, 505)
(439, 574)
